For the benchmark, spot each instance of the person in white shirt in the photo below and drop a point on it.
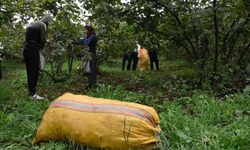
(134, 57)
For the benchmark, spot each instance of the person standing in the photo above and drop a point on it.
(143, 59)
(90, 43)
(125, 57)
(35, 39)
(153, 56)
(134, 58)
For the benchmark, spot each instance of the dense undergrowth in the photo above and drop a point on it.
(190, 118)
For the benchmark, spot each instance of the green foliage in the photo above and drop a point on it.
(18, 115)
(119, 93)
(5, 95)
(200, 122)
(17, 15)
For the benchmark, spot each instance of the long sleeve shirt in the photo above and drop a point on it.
(36, 31)
(89, 41)
(138, 47)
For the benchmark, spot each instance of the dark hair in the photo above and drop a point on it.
(90, 29)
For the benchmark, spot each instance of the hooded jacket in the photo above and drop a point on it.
(39, 27)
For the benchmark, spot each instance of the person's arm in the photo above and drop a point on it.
(90, 40)
(79, 42)
(138, 47)
(43, 35)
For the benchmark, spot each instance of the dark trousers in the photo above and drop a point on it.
(0, 70)
(124, 60)
(32, 62)
(132, 58)
(154, 59)
(93, 67)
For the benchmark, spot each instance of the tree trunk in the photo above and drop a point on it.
(216, 33)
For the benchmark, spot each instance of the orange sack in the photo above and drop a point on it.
(98, 122)
(143, 62)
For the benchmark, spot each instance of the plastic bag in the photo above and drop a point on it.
(42, 60)
(86, 66)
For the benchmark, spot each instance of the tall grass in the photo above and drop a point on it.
(201, 122)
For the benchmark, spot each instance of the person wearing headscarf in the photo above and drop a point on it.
(90, 43)
(35, 39)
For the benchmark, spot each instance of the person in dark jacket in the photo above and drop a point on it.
(153, 56)
(125, 57)
(90, 41)
(35, 39)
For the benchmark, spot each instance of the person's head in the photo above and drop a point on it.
(46, 19)
(88, 29)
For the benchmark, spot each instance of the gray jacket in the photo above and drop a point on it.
(41, 26)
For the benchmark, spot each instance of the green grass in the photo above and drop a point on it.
(198, 121)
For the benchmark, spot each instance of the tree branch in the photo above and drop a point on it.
(177, 41)
(247, 48)
(181, 26)
(234, 37)
(223, 48)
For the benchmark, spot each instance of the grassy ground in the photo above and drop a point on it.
(190, 119)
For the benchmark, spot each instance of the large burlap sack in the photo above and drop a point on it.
(98, 122)
(143, 62)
